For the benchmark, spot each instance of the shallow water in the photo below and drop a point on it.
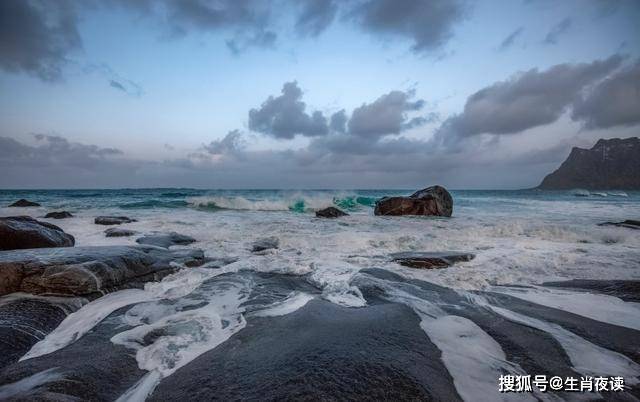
(521, 238)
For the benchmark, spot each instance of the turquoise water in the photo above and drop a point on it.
(299, 201)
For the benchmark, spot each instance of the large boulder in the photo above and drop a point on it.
(113, 220)
(330, 212)
(88, 271)
(59, 215)
(24, 203)
(428, 260)
(166, 239)
(434, 200)
(19, 232)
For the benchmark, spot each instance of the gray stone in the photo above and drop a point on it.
(428, 260)
(59, 215)
(432, 201)
(21, 232)
(330, 212)
(24, 203)
(113, 220)
(265, 244)
(119, 232)
(166, 239)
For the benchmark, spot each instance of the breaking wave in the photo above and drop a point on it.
(294, 203)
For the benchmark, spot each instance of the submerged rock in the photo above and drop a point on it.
(330, 212)
(265, 244)
(59, 215)
(119, 232)
(430, 260)
(113, 220)
(166, 239)
(629, 223)
(433, 201)
(21, 232)
(88, 271)
(24, 203)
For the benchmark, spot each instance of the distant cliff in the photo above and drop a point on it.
(610, 165)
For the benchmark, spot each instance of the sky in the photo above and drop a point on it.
(331, 94)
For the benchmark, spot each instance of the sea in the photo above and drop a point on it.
(520, 239)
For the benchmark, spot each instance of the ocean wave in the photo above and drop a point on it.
(154, 204)
(294, 203)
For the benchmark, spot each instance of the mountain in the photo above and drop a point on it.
(612, 164)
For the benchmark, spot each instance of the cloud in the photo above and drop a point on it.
(285, 116)
(427, 23)
(526, 100)
(115, 80)
(231, 144)
(386, 115)
(510, 39)
(613, 102)
(315, 16)
(37, 36)
(557, 30)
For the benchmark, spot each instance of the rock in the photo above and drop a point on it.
(26, 319)
(434, 200)
(611, 164)
(119, 232)
(24, 203)
(88, 271)
(265, 244)
(330, 212)
(629, 223)
(19, 232)
(59, 215)
(627, 290)
(430, 260)
(166, 239)
(113, 220)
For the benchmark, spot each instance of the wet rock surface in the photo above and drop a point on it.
(113, 220)
(25, 320)
(59, 215)
(24, 203)
(166, 239)
(24, 232)
(267, 243)
(330, 212)
(427, 260)
(88, 271)
(431, 201)
(629, 223)
(627, 290)
(119, 232)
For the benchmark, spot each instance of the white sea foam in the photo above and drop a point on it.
(293, 302)
(29, 383)
(595, 306)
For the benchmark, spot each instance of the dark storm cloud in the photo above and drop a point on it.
(339, 121)
(37, 36)
(386, 115)
(510, 39)
(285, 116)
(557, 30)
(315, 16)
(526, 100)
(427, 23)
(613, 102)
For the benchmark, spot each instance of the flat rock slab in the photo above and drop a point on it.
(88, 271)
(166, 239)
(22, 232)
(330, 212)
(119, 232)
(113, 220)
(24, 203)
(429, 260)
(59, 215)
(265, 244)
(629, 223)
